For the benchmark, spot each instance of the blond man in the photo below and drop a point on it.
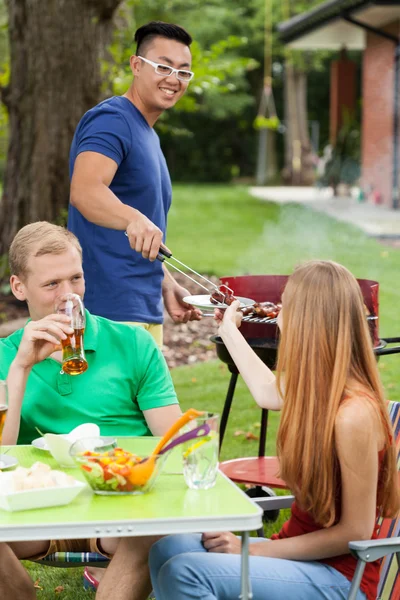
(127, 389)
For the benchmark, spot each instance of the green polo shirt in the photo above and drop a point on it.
(127, 374)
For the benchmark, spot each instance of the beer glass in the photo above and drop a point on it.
(73, 354)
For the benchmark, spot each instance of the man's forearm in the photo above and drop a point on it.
(168, 282)
(99, 205)
(16, 381)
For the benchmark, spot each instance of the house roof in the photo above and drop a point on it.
(324, 27)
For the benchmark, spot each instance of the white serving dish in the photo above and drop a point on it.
(37, 498)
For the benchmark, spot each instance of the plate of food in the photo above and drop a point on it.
(37, 487)
(204, 301)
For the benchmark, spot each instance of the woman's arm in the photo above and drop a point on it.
(258, 377)
(357, 437)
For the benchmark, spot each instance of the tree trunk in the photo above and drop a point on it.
(298, 168)
(272, 166)
(267, 161)
(55, 50)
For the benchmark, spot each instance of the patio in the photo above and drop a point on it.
(378, 221)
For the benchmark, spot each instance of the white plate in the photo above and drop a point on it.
(7, 462)
(203, 301)
(41, 444)
(40, 498)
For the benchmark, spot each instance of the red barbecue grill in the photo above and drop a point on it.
(262, 336)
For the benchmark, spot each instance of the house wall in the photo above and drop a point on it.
(377, 115)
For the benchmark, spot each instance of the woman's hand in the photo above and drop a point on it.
(42, 338)
(230, 316)
(224, 542)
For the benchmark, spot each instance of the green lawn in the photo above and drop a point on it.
(225, 231)
(222, 230)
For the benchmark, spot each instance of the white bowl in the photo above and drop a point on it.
(60, 444)
(37, 498)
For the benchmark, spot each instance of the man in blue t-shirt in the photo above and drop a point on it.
(120, 183)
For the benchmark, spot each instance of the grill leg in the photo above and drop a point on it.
(263, 432)
(227, 407)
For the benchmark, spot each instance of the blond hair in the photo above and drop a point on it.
(325, 344)
(37, 239)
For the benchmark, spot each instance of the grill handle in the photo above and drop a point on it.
(393, 350)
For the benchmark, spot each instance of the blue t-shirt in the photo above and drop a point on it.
(121, 284)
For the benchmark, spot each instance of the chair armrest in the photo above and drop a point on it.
(370, 550)
(274, 502)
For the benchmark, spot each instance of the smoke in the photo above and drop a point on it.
(298, 234)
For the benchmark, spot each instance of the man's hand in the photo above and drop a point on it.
(224, 542)
(144, 236)
(42, 338)
(178, 310)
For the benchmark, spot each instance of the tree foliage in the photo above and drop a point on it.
(4, 79)
(212, 133)
(216, 120)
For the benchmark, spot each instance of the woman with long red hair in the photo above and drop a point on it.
(335, 449)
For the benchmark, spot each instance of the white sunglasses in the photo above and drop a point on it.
(166, 70)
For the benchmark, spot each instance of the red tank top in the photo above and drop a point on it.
(301, 522)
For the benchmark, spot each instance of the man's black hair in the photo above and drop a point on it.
(146, 33)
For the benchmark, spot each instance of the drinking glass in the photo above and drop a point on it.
(73, 357)
(200, 457)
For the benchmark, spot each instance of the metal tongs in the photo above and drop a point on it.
(163, 254)
(223, 289)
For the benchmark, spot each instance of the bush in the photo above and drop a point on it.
(344, 163)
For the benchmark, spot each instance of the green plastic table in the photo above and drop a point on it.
(169, 508)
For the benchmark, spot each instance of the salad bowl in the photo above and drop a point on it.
(112, 471)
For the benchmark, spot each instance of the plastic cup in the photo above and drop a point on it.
(200, 457)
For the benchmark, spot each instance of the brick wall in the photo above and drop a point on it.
(377, 113)
(342, 93)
